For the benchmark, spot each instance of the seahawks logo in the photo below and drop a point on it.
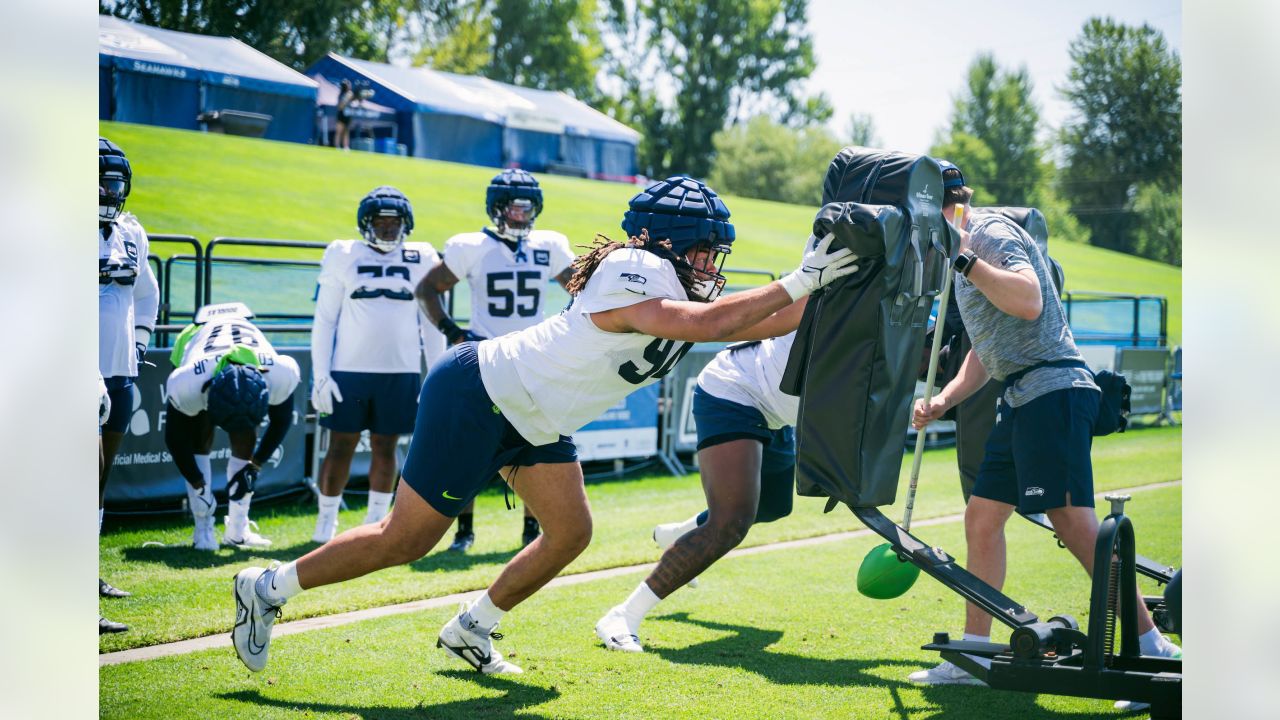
(410, 256)
(632, 277)
(541, 257)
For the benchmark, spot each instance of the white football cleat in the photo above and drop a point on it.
(475, 646)
(249, 539)
(204, 537)
(666, 535)
(946, 673)
(251, 634)
(616, 634)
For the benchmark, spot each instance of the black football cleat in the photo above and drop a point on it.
(106, 589)
(106, 626)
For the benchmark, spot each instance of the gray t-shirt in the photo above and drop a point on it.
(1006, 344)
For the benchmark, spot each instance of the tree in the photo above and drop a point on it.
(767, 160)
(974, 158)
(997, 109)
(543, 44)
(862, 130)
(688, 68)
(1158, 234)
(1125, 86)
(295, 32)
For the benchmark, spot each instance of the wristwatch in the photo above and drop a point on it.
(965, 261)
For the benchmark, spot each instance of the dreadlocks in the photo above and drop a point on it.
(585, 265)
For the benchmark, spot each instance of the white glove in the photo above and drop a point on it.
(104, 402)
(324, 393)
(820, 267)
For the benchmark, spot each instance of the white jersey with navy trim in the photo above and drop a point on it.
(379, 327)
(129, 299)
(508, 288)
(201, 346)
(750, 375)
(553, 378)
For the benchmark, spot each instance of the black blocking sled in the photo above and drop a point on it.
(854, 367)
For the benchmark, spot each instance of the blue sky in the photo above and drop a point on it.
(903, 62)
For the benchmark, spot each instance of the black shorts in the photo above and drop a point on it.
(120, 390)
(461, 439)
(382, 403)
(1040, 452)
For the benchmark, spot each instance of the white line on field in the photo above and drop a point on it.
(208, 642)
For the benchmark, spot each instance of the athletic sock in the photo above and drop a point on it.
(379, 503)
(1154, 644)
(699, 519)
(277, 585)
(638, 605)
(483, 614)
(464, 524)
(201, 502)
(969, 637)
(328, 505)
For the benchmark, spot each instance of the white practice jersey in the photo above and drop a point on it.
(562, 373)
(124, 306)
(750, 375)
(379, 328)
(507, 289)
(198, 350)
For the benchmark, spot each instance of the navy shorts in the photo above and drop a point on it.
(461, 439)
(382, 403)
(1039, 452)
(120, 390)
(720, 421)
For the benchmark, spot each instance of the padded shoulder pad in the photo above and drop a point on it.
(1029, 219)
(219, 311)
(861, 228)
(883, 177)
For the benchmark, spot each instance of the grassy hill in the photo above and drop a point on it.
(208, 185)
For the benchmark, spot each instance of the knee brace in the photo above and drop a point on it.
(241, 484)
(776, 493)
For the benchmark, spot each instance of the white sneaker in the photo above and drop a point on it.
(946, 673)
(204, 537)
(250, 540)
(616, 634)
(666, 535)
(254, 618)
(475, 646)
(326, 528)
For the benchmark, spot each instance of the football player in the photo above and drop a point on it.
(226, 375)
(104, 411)
(746, 456)
(366, 348)
(512, 401)
(508, 267)
(128, 299)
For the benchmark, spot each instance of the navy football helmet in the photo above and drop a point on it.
(115, 178)
(384, 201)
(694, 219)
(513, 202)
(238, 398)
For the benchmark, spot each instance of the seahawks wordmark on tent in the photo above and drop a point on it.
(475, 120)
(162, 77)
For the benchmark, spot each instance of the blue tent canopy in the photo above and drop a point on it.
(163, 77)
(479, 121)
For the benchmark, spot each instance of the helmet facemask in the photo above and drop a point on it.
(385, 230)
(515, 218)
(113, 188)
(705, 262)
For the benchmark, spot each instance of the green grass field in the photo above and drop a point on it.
(781, 634)
(210, 185)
